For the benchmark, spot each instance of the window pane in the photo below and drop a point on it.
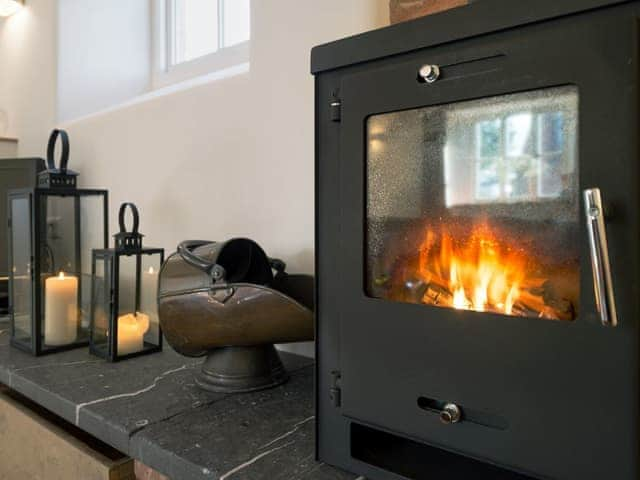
(237, 21)
(195, 29)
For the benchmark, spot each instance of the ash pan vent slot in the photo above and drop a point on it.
(419, 461)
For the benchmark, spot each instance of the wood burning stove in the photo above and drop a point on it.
(477, 244)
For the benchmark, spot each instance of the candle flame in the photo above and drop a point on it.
(151, 270)
(61, 275)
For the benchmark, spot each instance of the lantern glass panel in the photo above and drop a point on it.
(127, 268)
(151, 265)
(59, 244)
(92, 236)
(102, 291)
(69, 227)
(20, 268)
(137, 316)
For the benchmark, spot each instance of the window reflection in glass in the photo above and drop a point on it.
(520, 153)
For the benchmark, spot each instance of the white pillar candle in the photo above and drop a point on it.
(131, 330)
(60, 310)
(149, 298)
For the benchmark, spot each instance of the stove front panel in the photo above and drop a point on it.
(466, 273)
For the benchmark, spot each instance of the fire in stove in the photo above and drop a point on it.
(485, 270)
(485, 273)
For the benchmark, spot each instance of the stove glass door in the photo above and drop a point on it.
(475, 205)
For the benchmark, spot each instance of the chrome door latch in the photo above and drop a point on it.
(599, 249)
(451, 413)
(429, 73)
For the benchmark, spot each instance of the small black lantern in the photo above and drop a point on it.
(124, 313)
(53, 229)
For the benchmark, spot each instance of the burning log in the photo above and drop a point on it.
(522, 310)
(414, 290)
(481, 269)
(437, 295)
(545, 300)
(554, 304)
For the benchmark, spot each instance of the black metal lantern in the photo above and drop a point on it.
(53, 229)
(124, 313)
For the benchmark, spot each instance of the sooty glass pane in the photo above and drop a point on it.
(475, 205)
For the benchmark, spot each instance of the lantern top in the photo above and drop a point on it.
(54, 177)
(128, 241)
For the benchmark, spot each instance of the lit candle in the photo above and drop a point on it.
(131, 330)
(149, 297)
(61, 310)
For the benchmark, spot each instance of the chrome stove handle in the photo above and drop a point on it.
(602, 283)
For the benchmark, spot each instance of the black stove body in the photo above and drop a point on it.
(477, 244)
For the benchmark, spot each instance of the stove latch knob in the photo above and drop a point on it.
(429, 73)
(451, 413)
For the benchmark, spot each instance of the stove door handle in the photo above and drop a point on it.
(602, 283)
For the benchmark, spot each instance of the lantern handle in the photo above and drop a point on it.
(64, 157)
(136, 217)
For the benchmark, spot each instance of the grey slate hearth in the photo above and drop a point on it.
(151, 409)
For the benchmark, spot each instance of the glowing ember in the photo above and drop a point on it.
(486, 273)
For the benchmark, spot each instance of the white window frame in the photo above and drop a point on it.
(165, 73)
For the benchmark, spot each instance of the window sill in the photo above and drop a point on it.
(215, 62)
(168, 90)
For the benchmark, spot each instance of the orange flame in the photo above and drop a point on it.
(481, 272)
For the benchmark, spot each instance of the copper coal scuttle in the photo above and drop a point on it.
(231, 302)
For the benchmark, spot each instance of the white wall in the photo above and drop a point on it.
(103, 54)
(233, 157)
(8, 148)
(28, 75)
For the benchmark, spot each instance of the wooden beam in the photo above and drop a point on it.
(403, 10)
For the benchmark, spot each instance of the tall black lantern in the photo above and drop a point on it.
(53, 229)
(124, 313)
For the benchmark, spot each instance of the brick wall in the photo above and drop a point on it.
(402, 10)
